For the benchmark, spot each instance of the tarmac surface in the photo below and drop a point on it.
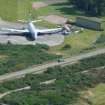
(51, 40)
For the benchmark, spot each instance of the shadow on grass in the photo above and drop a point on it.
(68, 9)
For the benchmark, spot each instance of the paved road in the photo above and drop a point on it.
(42, 68)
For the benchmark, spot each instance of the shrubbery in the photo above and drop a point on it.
(65, 90)
(20, 57)
(66, 47)
(101, 39)
(43, 46)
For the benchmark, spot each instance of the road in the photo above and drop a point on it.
(43, 67)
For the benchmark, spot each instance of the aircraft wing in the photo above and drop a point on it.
(8, 30)
(49, 30)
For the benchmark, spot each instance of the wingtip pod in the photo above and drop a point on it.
(22, 21)
(34, 21)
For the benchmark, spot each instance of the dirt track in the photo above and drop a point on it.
(42, 68)
(12, 91)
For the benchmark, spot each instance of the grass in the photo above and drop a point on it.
(46, 24)
(3, 57)
(82, 40)
(98, 97)
(8, 9)
(95, 96)
(78, 42)
(20, 10)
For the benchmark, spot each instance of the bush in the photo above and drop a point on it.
(65, 90)
(101, 39)
(20, 57)
(43, 46)
(66, 47)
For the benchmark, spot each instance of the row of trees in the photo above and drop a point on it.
(93, 7)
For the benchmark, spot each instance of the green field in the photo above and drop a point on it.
(8, 9)
(94, 96)
(98, 97)
(78, 42)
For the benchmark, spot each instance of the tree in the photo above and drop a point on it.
(92, 7)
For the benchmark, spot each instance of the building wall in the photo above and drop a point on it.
(88, 23)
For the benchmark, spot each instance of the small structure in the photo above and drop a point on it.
(86, 23)
(66, 29)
